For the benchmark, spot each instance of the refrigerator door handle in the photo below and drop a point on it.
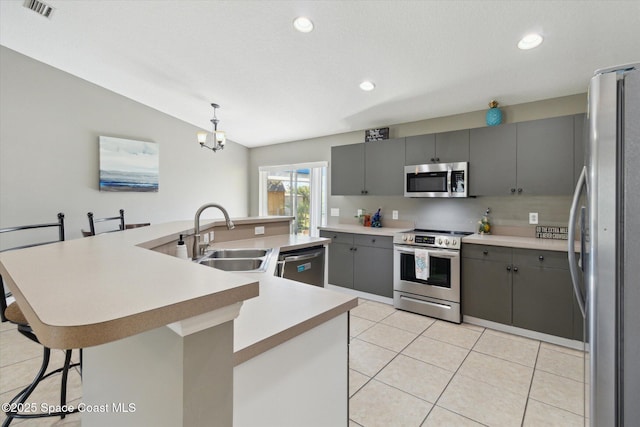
(571, 235)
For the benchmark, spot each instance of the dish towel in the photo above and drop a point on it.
(422, 264)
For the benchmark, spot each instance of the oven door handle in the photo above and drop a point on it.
(432, 253)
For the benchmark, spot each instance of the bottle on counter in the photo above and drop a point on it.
(181, 249)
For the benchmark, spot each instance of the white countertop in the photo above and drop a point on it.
(359, 229)
(285, 308)
(91, 291)
(519, 242)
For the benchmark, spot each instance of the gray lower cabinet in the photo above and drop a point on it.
(530, 289)
(372, 168)
(486, 282)
(443, 147)
(361, 262)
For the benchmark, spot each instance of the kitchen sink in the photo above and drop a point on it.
(245, 260)
(238, 253)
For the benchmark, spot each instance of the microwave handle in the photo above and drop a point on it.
(449, 180)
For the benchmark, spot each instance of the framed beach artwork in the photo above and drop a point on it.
(128, 165)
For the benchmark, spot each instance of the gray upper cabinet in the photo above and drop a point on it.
(384, 167)
(444, 147)
(545, 156)
(492, 160)
(579, 135)
(374, 168)
(347, 169)
(452, 146)
(420, 149)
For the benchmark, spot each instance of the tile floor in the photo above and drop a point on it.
(405, 370)
(414, 371)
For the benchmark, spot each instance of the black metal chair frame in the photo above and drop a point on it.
(92, 221)
(18, 401)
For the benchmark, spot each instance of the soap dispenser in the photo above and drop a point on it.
(181, 249)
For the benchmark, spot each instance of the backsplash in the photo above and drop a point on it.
(509, 214)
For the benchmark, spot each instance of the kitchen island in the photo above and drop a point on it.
(113, 296)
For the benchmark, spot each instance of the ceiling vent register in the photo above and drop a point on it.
(39, 7)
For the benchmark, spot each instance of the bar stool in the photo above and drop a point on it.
(93, 221)
(11, 312)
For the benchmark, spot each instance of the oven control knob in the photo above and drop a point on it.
(454, 243)
(439, 241)
(410, 237)
(404, 237)
(446, 242)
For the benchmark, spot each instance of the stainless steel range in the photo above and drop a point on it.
(426, 273)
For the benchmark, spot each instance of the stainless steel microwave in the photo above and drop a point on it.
(437, 180)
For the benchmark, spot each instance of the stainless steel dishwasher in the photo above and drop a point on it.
(303, 265)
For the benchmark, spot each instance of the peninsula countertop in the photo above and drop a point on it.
(112, 286)
(285, 308)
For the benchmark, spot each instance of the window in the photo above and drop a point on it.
(298, 190)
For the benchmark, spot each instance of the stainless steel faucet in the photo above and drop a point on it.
(198, 247)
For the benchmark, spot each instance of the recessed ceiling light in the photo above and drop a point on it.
(367, 85)
(530, 41)
(303, 24)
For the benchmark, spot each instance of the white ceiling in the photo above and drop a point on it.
(274, 84)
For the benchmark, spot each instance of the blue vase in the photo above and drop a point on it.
(494, 116)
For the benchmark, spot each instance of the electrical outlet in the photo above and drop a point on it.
(205, 238)
(335, 211)
(259, 230)
(533, 217)
(394, 214)
(211, 236)
(359, 212)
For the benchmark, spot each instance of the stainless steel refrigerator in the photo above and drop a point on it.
(606, 273)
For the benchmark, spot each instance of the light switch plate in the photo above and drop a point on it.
(259, 230)
(533, 217)
(394, 214)
(335, 211)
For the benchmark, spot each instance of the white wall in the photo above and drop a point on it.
(429, 213)
(50, 122)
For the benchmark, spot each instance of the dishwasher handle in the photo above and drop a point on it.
(303, 257)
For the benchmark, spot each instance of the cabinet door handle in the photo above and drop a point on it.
(366, 192)
(519, 190)
(355, 249)
(486, 252)
(513, 190)
(541, 258)
(373, 240)
(508, 268)
(515, 269)
(437, 159)
(433, 160)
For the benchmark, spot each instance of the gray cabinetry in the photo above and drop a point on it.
(384, 167)
(492, 160)
(361, 262)
(486, 282)
(527, 288)
(347, 169)
(534, 157)
(444, 147)
(374, 168)
(542, 292)
(545, 156)
(579, 133)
